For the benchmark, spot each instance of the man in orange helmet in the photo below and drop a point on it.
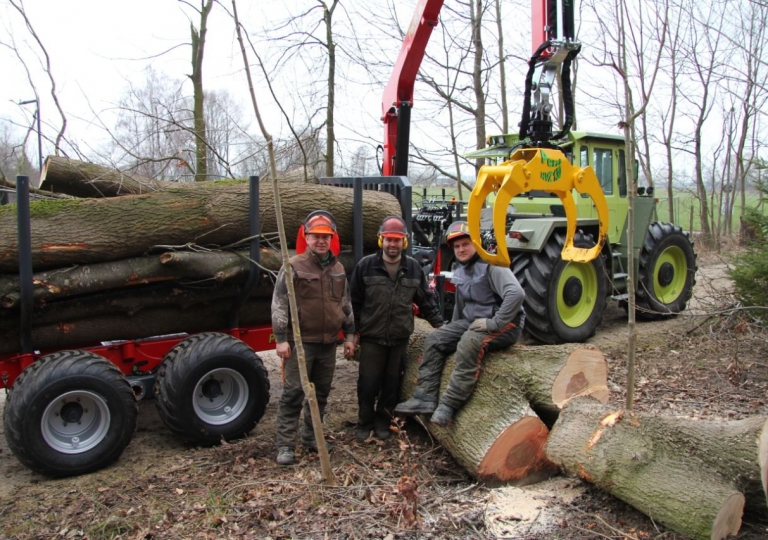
(384, 287)
(325, 308)
(488, 315)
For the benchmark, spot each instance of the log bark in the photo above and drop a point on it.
(497, 436)
(211, 266)
(85, 231)
(656, 464)
(34, 191)
(136, 316)
(83, 179)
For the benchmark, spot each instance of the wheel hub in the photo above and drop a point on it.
(212, 389)
(666, 274)
(71, 412)
(572, 291)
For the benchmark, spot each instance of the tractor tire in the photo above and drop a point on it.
(564, 301)
(667, 272)
(210, 387)
(69, 413)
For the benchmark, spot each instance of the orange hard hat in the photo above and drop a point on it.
(320, 222)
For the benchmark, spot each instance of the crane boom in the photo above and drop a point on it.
(398, 95)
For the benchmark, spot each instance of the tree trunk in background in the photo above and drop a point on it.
(496, 435)
(82, 179)
(68, 232)
(330, 143)
(201, 137)
(656, 464)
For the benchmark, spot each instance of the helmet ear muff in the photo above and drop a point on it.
(405, 242)
(404, 229)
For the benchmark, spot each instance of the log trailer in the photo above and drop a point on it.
(560, 214)
(74, 411)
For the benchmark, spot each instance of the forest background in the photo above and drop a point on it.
(159, 89)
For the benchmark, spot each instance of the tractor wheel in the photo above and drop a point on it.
(667, 272)
(211, 387)
(70, 413)
(564, 301)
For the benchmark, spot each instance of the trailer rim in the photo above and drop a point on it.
(75, 422)
(220, 395)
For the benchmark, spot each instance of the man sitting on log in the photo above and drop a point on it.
(384, 287)
(322, 294)
(488, 315)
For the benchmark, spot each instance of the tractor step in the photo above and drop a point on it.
(619, 297)
(620, 276)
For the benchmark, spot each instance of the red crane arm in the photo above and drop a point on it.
(398, 95)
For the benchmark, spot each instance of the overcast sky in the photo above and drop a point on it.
(97, 46)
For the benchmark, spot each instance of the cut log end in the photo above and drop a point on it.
(517, 456)
(585, 374)
(728, 519)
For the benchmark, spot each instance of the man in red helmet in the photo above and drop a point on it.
(384, 287)
(488, 315)
(325, 308)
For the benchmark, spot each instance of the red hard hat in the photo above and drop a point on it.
(456, 230)
(393, 227)
(320, 222)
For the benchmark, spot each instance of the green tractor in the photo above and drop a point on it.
(562, 226)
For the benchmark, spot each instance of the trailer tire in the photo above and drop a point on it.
(667, 272)
(210, 387)
(69, 413)
(564, 301)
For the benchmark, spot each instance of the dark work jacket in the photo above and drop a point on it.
(383, 308)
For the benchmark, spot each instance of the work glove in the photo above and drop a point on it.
(479, 325)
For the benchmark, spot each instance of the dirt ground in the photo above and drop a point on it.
(708, 363)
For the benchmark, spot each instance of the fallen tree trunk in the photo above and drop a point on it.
(82, 179)
(655, 464)
(497, 436)
(84, 231)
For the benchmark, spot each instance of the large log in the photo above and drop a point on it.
(686, 474)
(137, 316)
(83, 179)
(84, 231)
(496, 435)
(171, 266)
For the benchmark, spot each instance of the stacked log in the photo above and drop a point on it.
(142, 265)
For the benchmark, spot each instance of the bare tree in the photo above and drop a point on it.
(705, 54)
(198, 49)
(625, 52)
(18, 5)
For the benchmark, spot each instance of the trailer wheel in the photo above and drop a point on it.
(69, 413)
(210, 387)
(667, 272)
(564, 301)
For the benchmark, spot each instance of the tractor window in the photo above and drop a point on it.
(604, 169)
(622, 174)
(584, 157)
